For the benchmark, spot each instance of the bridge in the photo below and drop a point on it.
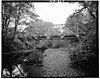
(74, 31)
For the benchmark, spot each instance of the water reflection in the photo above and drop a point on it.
(22, 70)
(18, 71)
(33, 70)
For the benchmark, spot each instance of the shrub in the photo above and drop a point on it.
(85, 56)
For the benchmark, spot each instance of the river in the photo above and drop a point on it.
(56, 63)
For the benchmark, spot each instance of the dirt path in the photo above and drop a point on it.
(56, 64)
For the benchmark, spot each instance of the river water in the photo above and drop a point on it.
(56, 63)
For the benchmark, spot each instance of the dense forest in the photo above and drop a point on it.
(22, 46)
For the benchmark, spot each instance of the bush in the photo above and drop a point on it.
(85, 56)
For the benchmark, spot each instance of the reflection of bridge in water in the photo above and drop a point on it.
(71, 32)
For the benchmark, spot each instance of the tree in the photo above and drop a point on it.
(53, 31)
(16, 13)
(13, 15)
(91, 6)
(38, 28)
(83, 16)
(85, 51)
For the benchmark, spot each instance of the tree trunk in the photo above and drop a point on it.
(86, 5)
(16, 23)
(8, 21)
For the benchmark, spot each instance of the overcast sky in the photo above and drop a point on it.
(55, 12)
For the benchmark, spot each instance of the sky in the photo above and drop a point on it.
(56, 13)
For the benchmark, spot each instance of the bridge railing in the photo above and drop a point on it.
(74, 31)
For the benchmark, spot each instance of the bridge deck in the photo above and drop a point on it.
(56, 38)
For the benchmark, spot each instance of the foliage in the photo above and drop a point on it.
(13, 15)
(41, 28)
(38, 28)
(53, 31)
(92, 7)
(84, 16)
(16, 14)
(84, 53)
